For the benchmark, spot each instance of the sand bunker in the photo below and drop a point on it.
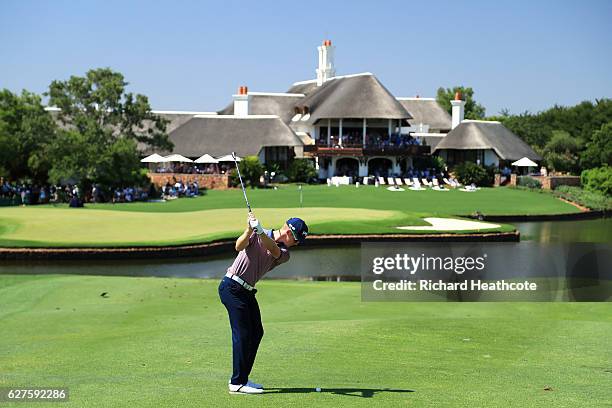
(450, 224)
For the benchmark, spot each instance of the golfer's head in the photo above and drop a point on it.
(294, 232)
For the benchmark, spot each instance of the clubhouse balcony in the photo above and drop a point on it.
(364, 137)
(360, 150)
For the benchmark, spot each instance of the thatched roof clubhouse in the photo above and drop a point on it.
(348, 125)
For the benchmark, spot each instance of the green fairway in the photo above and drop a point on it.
(157, 342)
(221, 214)
(498, 201)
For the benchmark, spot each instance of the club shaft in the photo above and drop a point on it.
(241, 183)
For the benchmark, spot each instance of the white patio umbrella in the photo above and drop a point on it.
(524, 162)
(154, 158)
(177, 158)
(228, 157)
(207, 158)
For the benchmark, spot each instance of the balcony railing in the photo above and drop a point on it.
(367, 150)
(406, 150)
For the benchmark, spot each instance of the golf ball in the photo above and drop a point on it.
(318, 389)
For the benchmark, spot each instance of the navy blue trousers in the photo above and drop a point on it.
(247, 330)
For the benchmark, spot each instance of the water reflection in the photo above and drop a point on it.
(598, 230)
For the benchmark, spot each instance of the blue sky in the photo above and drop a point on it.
(193, 55)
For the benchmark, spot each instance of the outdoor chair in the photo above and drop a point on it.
(437, 186)
(416, 185)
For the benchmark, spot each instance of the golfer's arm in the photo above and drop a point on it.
(243, 240)
(270, 245)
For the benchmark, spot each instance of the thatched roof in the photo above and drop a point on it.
(353, 96)
(477, 134)
(428, 112)
(282, 105)
(220, 134)
(303, 87)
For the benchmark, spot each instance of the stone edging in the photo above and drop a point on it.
(225, 246)
(585, 215)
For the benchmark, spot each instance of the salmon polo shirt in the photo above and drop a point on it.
(254, 261)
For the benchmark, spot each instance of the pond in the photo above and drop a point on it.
(333, 263)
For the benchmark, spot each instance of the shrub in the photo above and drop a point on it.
(250, 170)
(232, 178)
(598, 179)
(491, 171)
(274, 167)
(529, 182)
(302, 171)
(591, 199)
(437, 163)
(469, 173)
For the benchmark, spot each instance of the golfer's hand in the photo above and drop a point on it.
(255, 224)
(249, 218)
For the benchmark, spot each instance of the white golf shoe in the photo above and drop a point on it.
(244, 389)
(254, 385)
(251, 384)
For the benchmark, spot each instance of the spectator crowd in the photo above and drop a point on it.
(192, 168)
(396, 140)
(30, 194)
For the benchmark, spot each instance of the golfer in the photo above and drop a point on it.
(259, 251)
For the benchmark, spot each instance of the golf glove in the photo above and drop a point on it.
(256, 226)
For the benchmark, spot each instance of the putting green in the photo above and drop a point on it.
(158, 342)
(39, 226)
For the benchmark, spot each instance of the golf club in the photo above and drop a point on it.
(241, 183)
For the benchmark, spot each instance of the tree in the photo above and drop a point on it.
(251, 170)
(531, 128)
(561, 152)
(103, 126)
(598, 150)
(118, 165)
(25, 128)
(473, 110)
(580, 121)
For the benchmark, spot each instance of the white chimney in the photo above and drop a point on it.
(241, 102)
(326, 68)
(458, 110)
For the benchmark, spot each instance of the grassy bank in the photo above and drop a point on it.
(166, 342)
